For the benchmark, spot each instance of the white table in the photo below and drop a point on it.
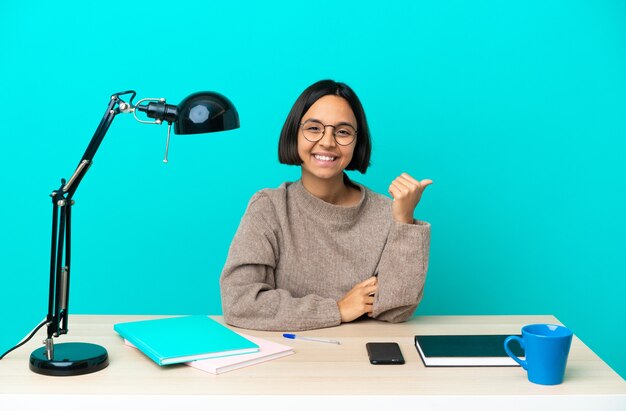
(318, 376)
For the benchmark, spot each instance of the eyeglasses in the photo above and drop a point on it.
(313, 131)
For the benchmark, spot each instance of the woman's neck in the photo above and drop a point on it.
(334, 191)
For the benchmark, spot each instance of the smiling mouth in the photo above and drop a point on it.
(324, 158)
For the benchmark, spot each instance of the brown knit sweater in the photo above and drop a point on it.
(294, 256)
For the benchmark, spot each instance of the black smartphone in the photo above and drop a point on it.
(384, 353)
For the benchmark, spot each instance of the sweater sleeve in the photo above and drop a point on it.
(402, 271)
(250, 298)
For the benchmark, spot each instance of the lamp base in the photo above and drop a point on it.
(69, 359)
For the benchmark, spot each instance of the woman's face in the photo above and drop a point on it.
(325, 159)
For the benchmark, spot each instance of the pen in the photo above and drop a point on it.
(322, 340)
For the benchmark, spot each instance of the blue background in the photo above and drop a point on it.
(515, 109)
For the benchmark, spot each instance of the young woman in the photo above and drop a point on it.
(325, 250)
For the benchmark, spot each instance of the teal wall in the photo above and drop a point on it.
(516, 110)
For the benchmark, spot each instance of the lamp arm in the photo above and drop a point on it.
(60, 253)
(97, 138)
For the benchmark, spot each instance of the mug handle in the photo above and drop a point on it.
(508, 351)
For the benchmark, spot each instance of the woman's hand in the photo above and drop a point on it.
(406, 192)
(358, 301)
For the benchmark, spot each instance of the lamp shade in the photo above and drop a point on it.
(205, 112)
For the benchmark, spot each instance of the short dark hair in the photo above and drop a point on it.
(288, 143)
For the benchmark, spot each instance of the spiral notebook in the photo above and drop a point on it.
(268, 350)
(181, 339)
